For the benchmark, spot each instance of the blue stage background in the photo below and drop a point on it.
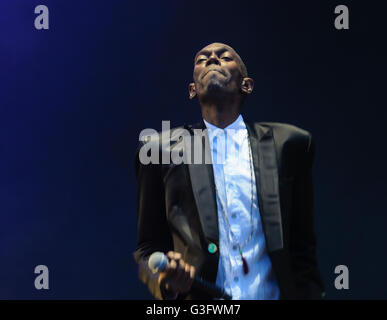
(74, 98)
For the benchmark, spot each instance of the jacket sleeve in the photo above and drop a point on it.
(152, 228)
(302, 237)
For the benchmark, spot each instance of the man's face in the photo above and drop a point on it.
(217, 69)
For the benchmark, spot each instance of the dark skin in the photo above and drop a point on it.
(220, 85)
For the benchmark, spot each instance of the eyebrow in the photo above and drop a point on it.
(208, 52)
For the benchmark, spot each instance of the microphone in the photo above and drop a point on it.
(158, 262)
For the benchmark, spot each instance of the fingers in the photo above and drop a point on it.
(189, 274)
(192, 272)
(178, 276)
(174, 255)
(179, 273)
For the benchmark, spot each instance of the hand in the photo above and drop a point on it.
(178, 276)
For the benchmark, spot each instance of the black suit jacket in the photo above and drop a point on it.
(177, 209)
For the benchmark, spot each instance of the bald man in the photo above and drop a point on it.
(244, 220)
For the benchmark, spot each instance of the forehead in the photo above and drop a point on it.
(217, 47)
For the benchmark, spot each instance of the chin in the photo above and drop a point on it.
(215, 85)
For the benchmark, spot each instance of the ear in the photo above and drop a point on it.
(192, 90)
(247, 85)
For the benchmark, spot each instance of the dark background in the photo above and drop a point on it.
(74, 98)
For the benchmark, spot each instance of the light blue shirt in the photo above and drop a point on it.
(230, 158)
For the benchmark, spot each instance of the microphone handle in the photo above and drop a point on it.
(210, 288)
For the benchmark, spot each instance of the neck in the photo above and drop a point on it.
(220, 115)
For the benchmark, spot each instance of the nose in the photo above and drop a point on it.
(213, 59)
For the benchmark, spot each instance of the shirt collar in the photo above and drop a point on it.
(236, 125)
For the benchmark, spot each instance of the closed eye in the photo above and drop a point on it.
(200, 60)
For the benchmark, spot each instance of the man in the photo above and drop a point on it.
(245, 222)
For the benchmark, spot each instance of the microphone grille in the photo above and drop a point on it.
(157, 262)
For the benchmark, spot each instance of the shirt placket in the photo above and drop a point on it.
(219, 156)
(235, 276)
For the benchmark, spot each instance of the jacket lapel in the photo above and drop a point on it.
(266, 177)
(203, 186)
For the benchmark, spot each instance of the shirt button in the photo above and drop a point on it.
(233, 215)
(234, 247)
(236, 279)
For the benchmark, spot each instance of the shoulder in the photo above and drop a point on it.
(284, 133)
(286, 129)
